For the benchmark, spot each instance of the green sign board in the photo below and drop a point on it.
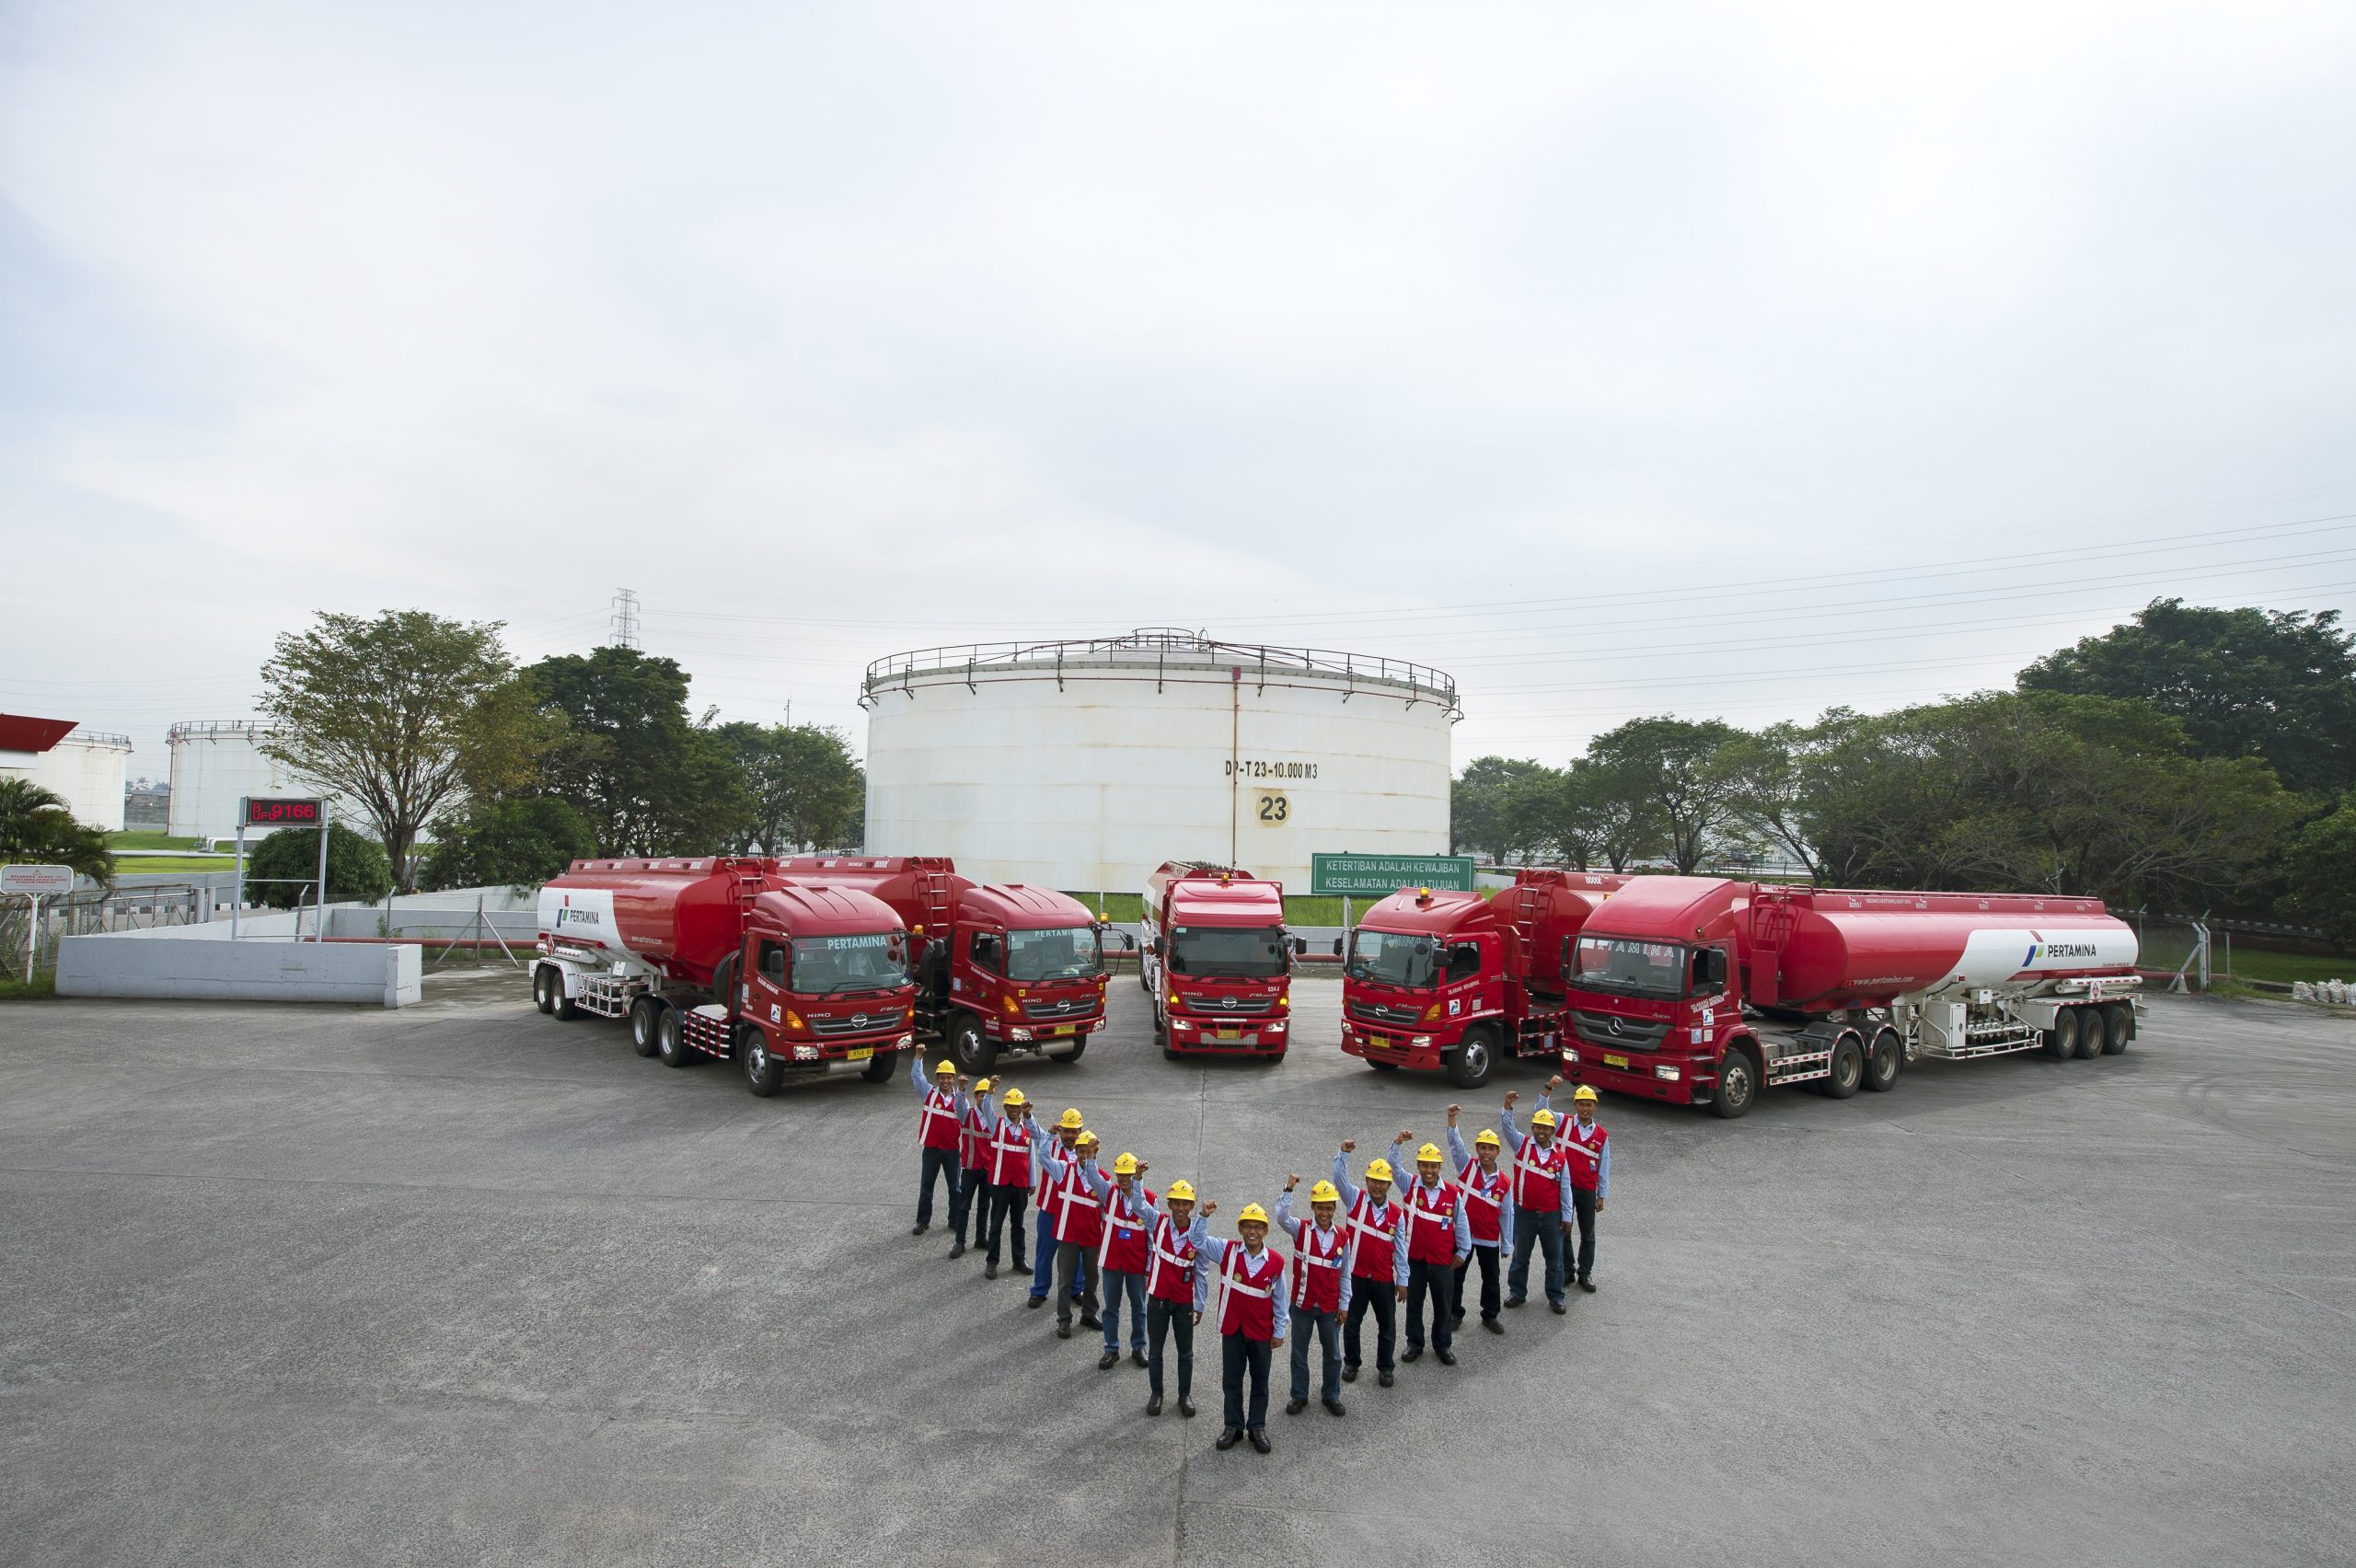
(1379, 876)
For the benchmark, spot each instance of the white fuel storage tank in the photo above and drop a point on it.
(1083, 765)
(217, 763)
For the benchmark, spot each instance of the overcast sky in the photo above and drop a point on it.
(1616, 359)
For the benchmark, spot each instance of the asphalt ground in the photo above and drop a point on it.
(465, 1284)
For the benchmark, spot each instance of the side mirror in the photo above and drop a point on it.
(1338, 947)
(1715, 967)
(1301, 944)
(1129, 942)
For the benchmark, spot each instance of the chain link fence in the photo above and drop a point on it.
(29, 943)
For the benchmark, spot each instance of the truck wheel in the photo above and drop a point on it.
(2061, 1039)
(1738, 1085)
(1384, 1066)
(643, 1015)
(763, 1072)
(1170, 1054)
(544, 988)
(1848, 1067)
(2091, 1028)
(972, 1050)
(671, 1039)
(2120, 1027)
(879, 1067)
(1078, 1047)
(1469, 1065)
(723, 984)
(1885, 1061)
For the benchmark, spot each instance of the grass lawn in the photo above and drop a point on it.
(1128, 908)
(42, 985)
(2255, 964)
(149, 838)
(146, 865)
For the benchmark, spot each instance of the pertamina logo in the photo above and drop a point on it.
(568, 915)
(2038, 945)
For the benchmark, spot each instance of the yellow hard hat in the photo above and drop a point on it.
(1125, 1166)
(1070, 1118)
(1324, 1192)
(1014, 1097)
(1489, 1136)
(1543, 1119)
(1253, 1211)
(947, 1068)
(1379, 1170)
(1582, 1092)
(983, 1086)
(1428, 1152)
(1085, 1140)
(1180, 1192)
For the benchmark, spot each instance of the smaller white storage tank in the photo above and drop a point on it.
(87, 770)
(217, 763)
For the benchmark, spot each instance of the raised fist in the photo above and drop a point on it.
(1348, 1145)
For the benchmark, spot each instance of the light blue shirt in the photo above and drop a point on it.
(1212, 1256)
(1293, 1227)
(1464, 1162)
(1513, 1136)
(1349, 1191)
(1603, 1172)
(1197, 1232)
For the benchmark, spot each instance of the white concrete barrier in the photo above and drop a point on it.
(199, 963)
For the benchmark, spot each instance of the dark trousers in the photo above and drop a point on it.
(941, 1162)
(1487, 1257)
(1071, 1268)
(1177, 1319)
(1115, 1285)
(1436, 1281)
(1006, 1206)
(1545, 1227)
(969, 1201)
(1378, 1296)
(1328, 1326)
(1583, 1214)
(1239, 1356)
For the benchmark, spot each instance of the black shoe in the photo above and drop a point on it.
(990, 1271)
(1036, 1301)
(1294, 1407)
(1350, 1373)
(1138, 1360)
(1383, 1378)
(1063, 1330)
(1415, 1353)
(1493, 1325)
(1447, 1357)
(1558, 1307)
(1516, 1300)
(1088, 1321)
(1185, 1406)
(1229, 1438)
(1334, 1407)
(1109, 1359)
(1153, 1405)
(1260, 1444)
(1456, 1319)
(959, 1249)
(1587, 1286)
(920, 1230)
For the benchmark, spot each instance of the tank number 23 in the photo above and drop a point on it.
(1275, 808)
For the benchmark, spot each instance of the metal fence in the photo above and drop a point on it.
(28, 947)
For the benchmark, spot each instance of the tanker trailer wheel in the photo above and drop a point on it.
(544, 988)
(2061, 1039)
(763, 1071)
(1848, 1067)
(1885, 1061)
(2120, 1028)
(1469, 1065)
(671, 1039)
(970, 1048)
(1737, 1084)
(644, 1014)
(879, 1067)
(2091, 1028)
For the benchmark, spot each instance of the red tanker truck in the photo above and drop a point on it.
(1216, 962)
(1452, 980)
(1699, 991)
(723, 956)
(999, 968)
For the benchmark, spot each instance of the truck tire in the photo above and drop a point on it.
(643, 1015)
(2120, 1027)
(723, 984)
(671, 1046)
(1169, 1054)
(971, 1049)
(1737, 1084)
(2092, 1029)
(1469, 1063)
(1848, 1068)
(763, 1072)
(1384, 1066)
(2061, 1039)
(879, 1067)
(1078, 1049)
(545, 986)
(1883, 1061)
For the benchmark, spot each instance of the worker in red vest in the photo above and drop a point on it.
(1173, 1304)
(1124, 1230)
(1251, 1317)
(1437, 1240)
(1012, 1134)
(943, 1101)
(974, 1172)
(1378, 1264)
(1076, 1219)
(1320, 1290)
(1065, 1136)
(1542, 1193)
(1488, 1210)
(1587, 1150)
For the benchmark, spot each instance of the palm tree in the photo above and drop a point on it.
(36, 827)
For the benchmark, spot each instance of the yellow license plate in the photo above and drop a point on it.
(1229, 1034)
(860, 1053)
(1064, 1029)
(1615, 1061)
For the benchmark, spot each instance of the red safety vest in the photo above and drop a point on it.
(1372, 1231)
(1431, 1223)
(1537, 1176)
(1123, 1251)
(973, 1140)
(938, 1123)
(1078, 1219)
(1317, 1267)
(1585, 1152)
(1483, 1200)
(1011, 1153)
(1245, 1305)
(1172, 1278)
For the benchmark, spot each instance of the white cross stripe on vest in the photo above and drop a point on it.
(1447, 1217)
(1306, 1244)
(1165, 1236)
(1230, 1280)
(1546, 1164)
(1119, 1214)
(1578, 1145)
(937, 1104)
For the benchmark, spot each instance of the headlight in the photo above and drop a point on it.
(806, 1052)
(905, 1041)
(1182, 1023)
(1569, 1055)
(1277, 1027)
(1018, 1036)
(1420, 1040)
(1665, 1071)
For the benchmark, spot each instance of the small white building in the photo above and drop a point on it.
(84, 767)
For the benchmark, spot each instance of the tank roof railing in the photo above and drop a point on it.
(99, 738)
(1151, 648)
(205, 728)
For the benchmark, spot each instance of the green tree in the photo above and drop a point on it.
(648, 779)
(279, 869)
(1482, 816)
(37, 828)
(805, 787)
(2276, 684)
(520, 841)
(395, 714)
(1672, 763)
(2321, 875)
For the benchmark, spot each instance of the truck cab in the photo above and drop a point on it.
(822, 978)
(1653, 993)
(1216, 962)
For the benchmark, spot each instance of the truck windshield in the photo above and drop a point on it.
(835, 965)
(1629, 967)
(1395, 958)
(1059, 952)
(1229, 952)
